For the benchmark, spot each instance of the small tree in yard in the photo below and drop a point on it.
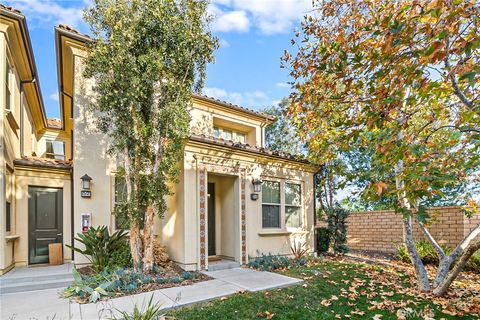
(399, 78)
(147, 57)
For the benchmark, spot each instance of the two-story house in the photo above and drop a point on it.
(235, 198)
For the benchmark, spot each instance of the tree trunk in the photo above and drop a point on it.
(448, 279)
(135, 240)
(460, 256)
(433, 242)
(420, 271)
(148, 238)
(136, 245)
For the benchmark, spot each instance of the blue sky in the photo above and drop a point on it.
(253, 35)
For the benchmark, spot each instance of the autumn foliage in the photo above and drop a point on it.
(400, 79)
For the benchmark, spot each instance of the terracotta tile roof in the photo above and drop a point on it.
(54, 123)
(247, 147)
(75, 31)
(43, 162)
(233, 106)
(11, 9)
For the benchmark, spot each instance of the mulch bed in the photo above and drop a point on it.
(169, 270)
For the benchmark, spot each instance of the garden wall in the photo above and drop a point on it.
(381, 231)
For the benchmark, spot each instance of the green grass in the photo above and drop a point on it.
(322, 281)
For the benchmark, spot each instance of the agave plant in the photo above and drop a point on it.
(99, 245)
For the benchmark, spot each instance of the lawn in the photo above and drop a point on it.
(341, 290)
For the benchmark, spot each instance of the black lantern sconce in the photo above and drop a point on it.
(86, 181)
(85, 192)
(257, 187)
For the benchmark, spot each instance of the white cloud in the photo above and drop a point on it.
(282, 85)
(54, 96)
(248, 99)
(268, 16)
(231, 21)
(46, 13)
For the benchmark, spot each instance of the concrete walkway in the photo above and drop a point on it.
(46, 304)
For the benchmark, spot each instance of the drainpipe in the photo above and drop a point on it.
(72, 213)
(22, 98)
(315, 209)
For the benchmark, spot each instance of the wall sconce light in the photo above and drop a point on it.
(257, 185)
(86, 181)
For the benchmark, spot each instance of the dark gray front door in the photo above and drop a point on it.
(211, 219)
(45, 212)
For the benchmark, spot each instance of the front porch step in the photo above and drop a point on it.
(223, 265)
(23, 286)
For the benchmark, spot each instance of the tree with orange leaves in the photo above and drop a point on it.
(402, 79)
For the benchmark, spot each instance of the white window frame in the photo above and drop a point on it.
(299, 206)
(47, 154)
(235, 134)
(283, 226)
(274, 204)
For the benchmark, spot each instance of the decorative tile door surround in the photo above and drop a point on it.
(203, 172)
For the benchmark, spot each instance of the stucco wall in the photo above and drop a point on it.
(382, 230)
(44, 178)
(90, 157)
(258, 240)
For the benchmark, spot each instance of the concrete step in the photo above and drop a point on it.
(223, 265)
(4, 281)
(23, 286)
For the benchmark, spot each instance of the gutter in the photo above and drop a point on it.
(33, 68)
(22, 108)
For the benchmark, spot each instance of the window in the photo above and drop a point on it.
(270, 204)
(240, 137)
(55, 150)
(8, 222)
(8, 93)
(293, 201)
(228, 134)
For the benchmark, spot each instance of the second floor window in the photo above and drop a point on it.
(228, 134)
(55, 150)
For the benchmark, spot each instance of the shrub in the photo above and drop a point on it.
(337, 228)
(122, 257)
(100, 245)
(474, 263)
(427, 253)
(429, 256)
(323, 240)
(269, 262)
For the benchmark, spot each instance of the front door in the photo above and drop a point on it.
(45, 212)
(211, 219)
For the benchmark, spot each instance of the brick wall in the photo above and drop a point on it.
(382, 230)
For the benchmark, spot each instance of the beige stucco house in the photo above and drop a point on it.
(215, 212)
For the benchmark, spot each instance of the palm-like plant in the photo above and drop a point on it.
(99, 245)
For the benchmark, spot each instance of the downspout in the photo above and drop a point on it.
(72, 213)
(315, 209)
(22, 108)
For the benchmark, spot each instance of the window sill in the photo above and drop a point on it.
(12, 238)
(274, 233)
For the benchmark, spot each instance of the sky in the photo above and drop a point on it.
(253, 35)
